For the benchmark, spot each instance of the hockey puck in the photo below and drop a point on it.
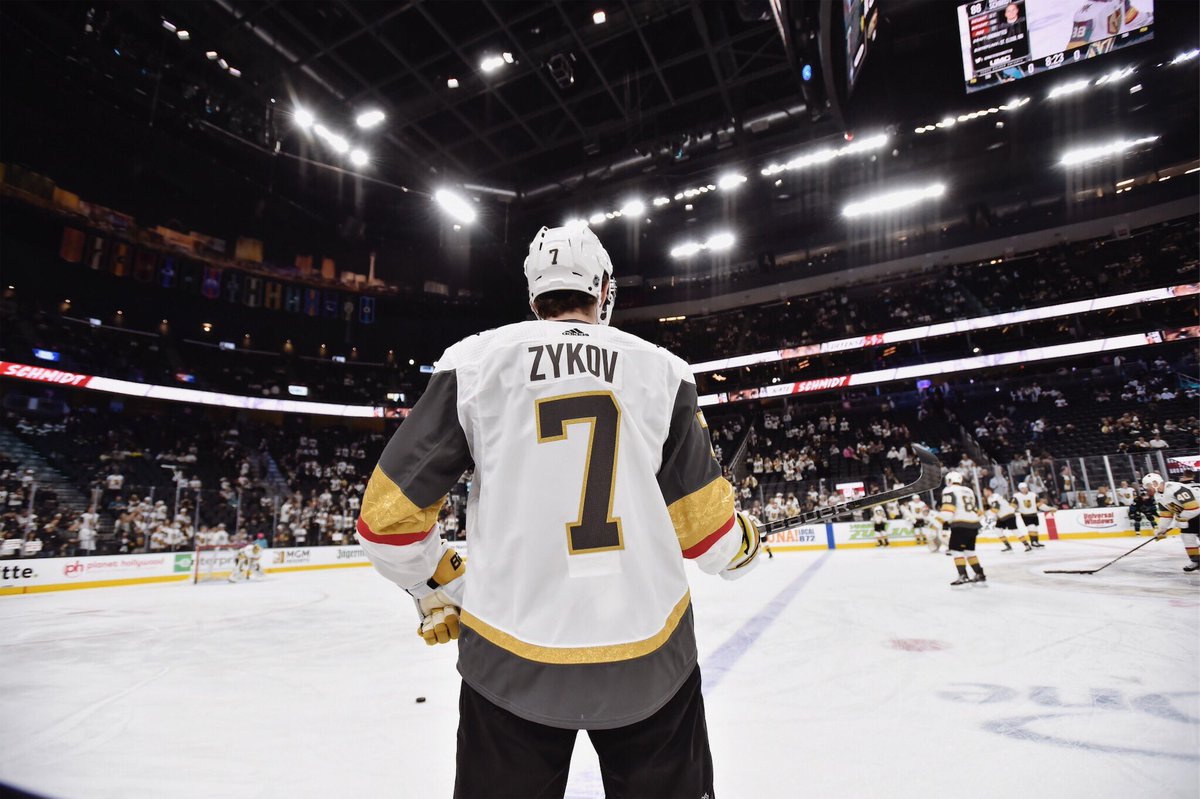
(420, 699)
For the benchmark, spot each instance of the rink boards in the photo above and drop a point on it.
(36, 575)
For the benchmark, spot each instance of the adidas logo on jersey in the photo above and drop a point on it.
(573, 331)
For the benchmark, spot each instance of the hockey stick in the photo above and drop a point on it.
(1105, 566)
(930, 478)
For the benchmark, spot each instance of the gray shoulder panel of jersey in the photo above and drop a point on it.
(687, 457)
(429, 451)
(584, 696)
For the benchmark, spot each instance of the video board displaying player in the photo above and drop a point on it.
(1003, 40)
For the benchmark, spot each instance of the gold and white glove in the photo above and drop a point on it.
(439, 600)
(746, 557)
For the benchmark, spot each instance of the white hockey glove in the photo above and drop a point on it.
(439, 600)
(746, 557)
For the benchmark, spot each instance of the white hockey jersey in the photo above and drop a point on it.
(1026, 502)
(1178, 504)
(916, 509)
(594, 474)
(959, 506)
(1000, 507)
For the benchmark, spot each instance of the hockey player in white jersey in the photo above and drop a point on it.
(960, 511)
(594, 480)
(916, 512)
(1178, 506)
(1004, 518)
(248, 564)
(880, 520)
(1027, 505)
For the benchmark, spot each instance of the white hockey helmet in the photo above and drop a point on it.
(915, 498)
(1153, 480)
(1022, 486)
(953, 479)
(570, 258)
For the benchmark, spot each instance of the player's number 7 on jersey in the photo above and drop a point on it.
(595, 529)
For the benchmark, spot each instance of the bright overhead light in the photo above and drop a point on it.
(1086, 154)
(686, 250)
(183, 35)
(338, 143)
(494, 62)
(211, 55)
(455, 205)
(598, 18)
(730, 180)
(451, 83)
(1114, 76)
(235, 72)
(222, 63)
(304, 118)
(1063, 90)
(359, 157)
(369, 119)
(827, 154)
(719, 242)
(1182, 57)
(633, 207)
(660, 201)
(169, 26)
(597, 219)
(892, 201)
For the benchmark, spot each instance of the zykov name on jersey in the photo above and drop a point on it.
(558, 361)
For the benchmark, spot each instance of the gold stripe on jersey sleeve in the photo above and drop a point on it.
(701, 513)
(387, 511)
(607, 653)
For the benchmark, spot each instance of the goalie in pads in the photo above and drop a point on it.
(247, 564)
(594, 480)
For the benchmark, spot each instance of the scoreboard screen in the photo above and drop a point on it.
(1005, 40)
(862, 21)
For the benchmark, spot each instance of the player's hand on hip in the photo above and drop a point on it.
(439, 600)
(439, 618)
(747, 554)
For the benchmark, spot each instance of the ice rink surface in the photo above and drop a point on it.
(832, 674)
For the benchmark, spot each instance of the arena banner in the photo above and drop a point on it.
(35, 575)
(1092, 522)
(812, 536)
(955, 366)
(949, 328)
(41, 374)
(291, 559)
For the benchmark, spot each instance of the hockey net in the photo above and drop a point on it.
(214, 562)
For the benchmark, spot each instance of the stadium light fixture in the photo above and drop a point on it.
(170, 26)
(730, 181)
(1065, 89)
(893, 201)
(222, 63)
(183, 35)
(1184, 57)
(827, 154)
(235, 72)
(1116, 76)
(492, 63)
(304, 118)
(661, 201)
(211, 55)
(719, 242)
(1084, 155)
(633, 207)
(451, 83)
(336, 142)
(455, 205)
(599, 17)
(686, 250)
(369, 119)
(359, 157)
(597, 219)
